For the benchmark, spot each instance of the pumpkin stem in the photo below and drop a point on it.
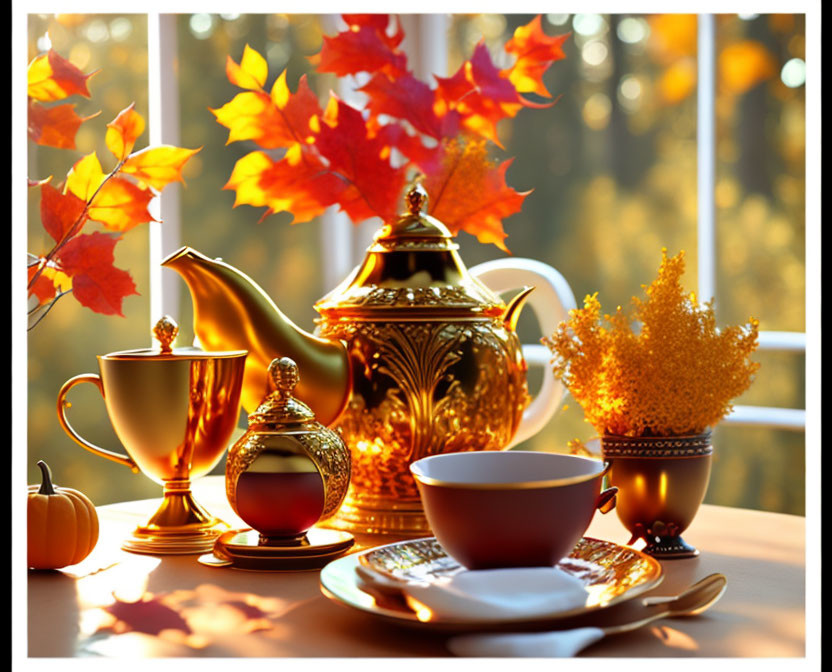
(46, 487)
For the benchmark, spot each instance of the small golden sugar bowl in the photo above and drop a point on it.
(287, 471)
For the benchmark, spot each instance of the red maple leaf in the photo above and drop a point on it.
(96, 283)
(406, 97)
(361, 48)
(361, 160)
(60, 213)
(481, 94)
(377, 22)
(372, 185)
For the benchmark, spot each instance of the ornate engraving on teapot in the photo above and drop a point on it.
(424, 388)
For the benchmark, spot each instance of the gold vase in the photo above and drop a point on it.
(661, 482)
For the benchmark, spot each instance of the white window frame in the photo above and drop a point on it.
(770, 341)
(342, 244)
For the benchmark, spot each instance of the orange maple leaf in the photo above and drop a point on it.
(116, 203)
(470, 192)
(50, 279)
(54, 126)
(51, 77)
(120, 205)
(535, 52)
(299, 183)
(279, 119)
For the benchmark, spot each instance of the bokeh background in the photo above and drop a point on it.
(612, 167)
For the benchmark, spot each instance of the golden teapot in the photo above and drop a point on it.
(413, 355)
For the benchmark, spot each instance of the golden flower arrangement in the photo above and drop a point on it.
(674, 376)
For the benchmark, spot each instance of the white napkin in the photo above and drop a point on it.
(563, 644)
(497, 594)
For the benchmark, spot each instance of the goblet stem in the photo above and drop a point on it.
(180, 512)
(180, 525)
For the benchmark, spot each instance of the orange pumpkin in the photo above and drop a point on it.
(62, 524)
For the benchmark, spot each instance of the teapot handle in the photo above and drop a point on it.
(551, 302)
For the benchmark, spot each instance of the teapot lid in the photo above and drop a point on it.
(412, 263)
(165, 332)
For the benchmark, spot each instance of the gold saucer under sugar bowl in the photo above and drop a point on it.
(284, 475)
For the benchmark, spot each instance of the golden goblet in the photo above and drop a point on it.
(174, 413)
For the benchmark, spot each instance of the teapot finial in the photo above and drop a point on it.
(417, 197)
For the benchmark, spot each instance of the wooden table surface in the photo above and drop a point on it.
(118, 604)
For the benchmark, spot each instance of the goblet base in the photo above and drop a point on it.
(173, 544)
(180, 526)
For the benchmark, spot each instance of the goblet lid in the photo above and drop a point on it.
(165, 331)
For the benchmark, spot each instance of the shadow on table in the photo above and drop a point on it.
(52, 633)
(225, 612)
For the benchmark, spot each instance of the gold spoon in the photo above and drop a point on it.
(565, 643)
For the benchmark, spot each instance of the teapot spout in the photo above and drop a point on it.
(232, 312)
(512, 312)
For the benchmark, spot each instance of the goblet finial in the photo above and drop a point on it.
(165, 331)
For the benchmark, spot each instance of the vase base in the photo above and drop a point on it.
(669, 548)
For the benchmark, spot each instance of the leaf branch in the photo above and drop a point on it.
(75, 229)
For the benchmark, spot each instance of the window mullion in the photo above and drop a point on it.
(163, 129)
(706, 153)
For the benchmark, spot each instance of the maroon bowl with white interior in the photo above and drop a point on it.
(510, 508)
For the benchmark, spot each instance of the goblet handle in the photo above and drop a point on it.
(551, 302)
(95, 379)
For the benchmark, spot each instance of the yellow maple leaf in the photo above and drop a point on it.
(158, 166)
(85, 177)
(252, 71)
(123, 132)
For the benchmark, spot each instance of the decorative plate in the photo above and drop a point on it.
(372, 581)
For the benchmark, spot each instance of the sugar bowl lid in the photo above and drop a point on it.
(280, 408)
(165, 332)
